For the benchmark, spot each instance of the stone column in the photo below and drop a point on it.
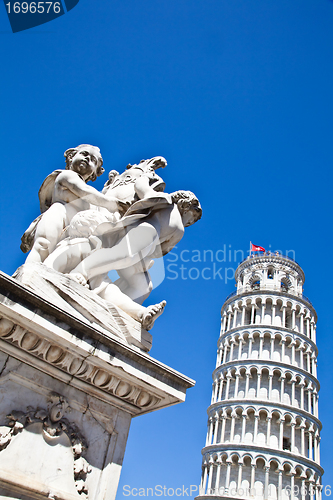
(263, 308)
(293, 382)
(227, 477)
(228, 320)
(301, 322)
(292, 486)
(216, 427)
(282, 378)
(255, 432)
(210, 435)
(247, 383)
(218, 477)
(302, 427)
(266, 483)
(270, 384)
(225, 352)
(272, 348)
(292, 345)
(231, 349)
(301, 356)
(261, 341)
(253, 477)
(243, 314)
(293, 319)
(308, 326)
(309, 388)
(302, 394)
(219, 396)
(239, 482)
(281, 434)
(232, 429)
(224, 419)
(244, 415)
(250, 345)
(273, 314)
(204, 478)
(268, 433)
(235, 317)
(224, 323)
(280, 484)
(303, 489)
(210, 477)
(310, 445)
(236, 385)
(293, 425)
(284, 316)
(283, 347)
(228, 377)
(240, 348)
(258, 384)
(252, 314)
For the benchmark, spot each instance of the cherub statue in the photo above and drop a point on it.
(85, 234)
(62, 195)
(150, 228)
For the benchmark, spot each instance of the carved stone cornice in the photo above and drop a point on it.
(102, 365)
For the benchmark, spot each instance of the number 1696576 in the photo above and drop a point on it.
(33, 7)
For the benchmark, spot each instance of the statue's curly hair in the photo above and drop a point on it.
(69, 153)
(186, 200)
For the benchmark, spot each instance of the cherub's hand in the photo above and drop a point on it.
(116, 205)
(123, 206)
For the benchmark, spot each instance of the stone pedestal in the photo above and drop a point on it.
(68, 391)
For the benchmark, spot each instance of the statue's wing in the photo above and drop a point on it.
(46, 190)
(29, 235)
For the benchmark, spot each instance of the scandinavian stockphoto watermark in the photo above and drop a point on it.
(219, 264)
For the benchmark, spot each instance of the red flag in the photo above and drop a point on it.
(256, 248)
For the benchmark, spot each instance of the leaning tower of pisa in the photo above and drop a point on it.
(263, 427)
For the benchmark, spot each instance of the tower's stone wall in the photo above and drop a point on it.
(263, 428)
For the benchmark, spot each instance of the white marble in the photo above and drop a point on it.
(87, 234)
(68, 392)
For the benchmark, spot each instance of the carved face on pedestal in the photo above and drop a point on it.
(86, 162)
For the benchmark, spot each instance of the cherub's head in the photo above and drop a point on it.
(188, 206)
(86, 160)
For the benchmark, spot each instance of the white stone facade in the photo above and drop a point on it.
(263, 427)
(68, 392)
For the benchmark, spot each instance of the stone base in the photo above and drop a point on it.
(68, 392)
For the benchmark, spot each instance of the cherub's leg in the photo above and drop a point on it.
(145, 315)
(48, 233)
(68, 254)
(135, 283)
(137, 244)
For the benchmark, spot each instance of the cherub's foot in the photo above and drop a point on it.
(79, 278)
(151, 313)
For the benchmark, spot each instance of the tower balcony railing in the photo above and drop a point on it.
(257, 288)
(268, 254)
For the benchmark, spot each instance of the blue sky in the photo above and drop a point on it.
(237, 95)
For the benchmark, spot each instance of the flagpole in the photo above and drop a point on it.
(250, 248)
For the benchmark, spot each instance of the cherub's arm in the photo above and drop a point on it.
(172, 229)
(74, 183)
(144, 189)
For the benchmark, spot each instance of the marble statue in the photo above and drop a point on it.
(62, 195)
(84, 234)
